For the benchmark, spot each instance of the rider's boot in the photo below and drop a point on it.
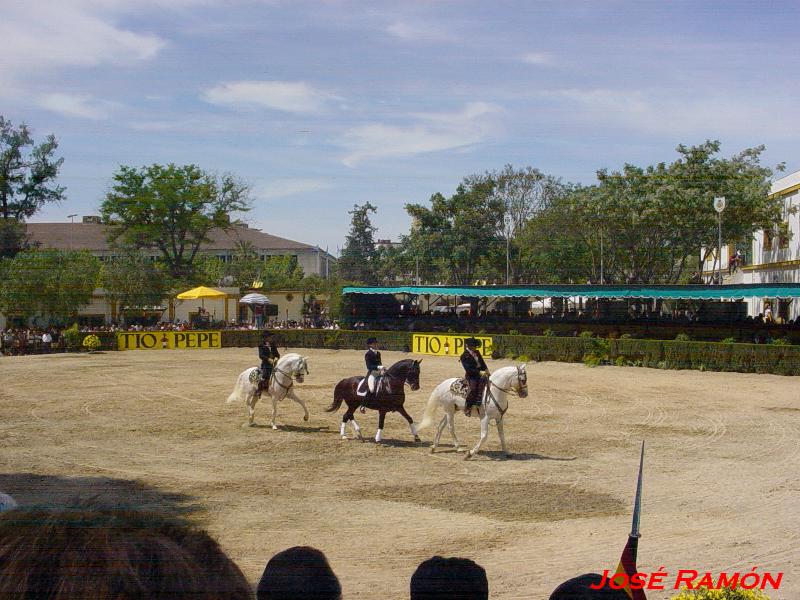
(364, 399)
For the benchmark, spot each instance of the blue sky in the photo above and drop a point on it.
(320, 105)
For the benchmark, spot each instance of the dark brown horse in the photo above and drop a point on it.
(389, 398)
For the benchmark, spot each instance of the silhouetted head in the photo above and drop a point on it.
(441, 578)
(125, 555)
(299, 573)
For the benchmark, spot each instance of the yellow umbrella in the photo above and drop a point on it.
(201, 293)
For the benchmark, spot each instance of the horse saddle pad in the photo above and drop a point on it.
(459, 387)
(255, 376)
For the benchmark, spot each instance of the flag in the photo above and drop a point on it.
(627, 563)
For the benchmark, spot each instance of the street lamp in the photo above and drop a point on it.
(72, 222)
(719, 206)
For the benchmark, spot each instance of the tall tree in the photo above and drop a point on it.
(133, 281)
(27, 172)
(49, 283)
(460, 231)
(359, 258)
(172, 209)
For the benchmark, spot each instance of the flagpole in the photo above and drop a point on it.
(637, 504)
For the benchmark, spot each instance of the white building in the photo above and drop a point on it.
(776, 255)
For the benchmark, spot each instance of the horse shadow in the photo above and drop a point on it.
(399, 443)
(294, 428)
(500, 455)
(31, 490)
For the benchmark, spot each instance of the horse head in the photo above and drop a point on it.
(522, 381)
(301, 370)
(407, 371)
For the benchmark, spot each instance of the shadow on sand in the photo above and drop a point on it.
(55, 491)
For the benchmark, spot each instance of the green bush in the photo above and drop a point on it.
(728, 340)
(91, 342)
(586, 334)
(682, 337)
(548, 333)
(626, 336)
(513, 332)
(780, 342)
(72, 337)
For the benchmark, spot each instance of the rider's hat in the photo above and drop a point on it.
(372, 340)
(266, 333)
(472, 342)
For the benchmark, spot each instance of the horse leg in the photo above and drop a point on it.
(439, 430)
(349, 416)
(274, 412)
(450, 415)
(252, 398)
(484, 434)
(294, 397)
(381, 423)
(502, 435)
(411, 425)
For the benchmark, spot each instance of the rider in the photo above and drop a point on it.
(475, 372)
(268, 353)
(375, 369)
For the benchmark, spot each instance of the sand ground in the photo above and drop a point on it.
(722, 484)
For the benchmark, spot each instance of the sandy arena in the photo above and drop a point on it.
(721, 485)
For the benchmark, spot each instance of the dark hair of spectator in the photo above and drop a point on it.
(76, 554)
(578, 588)
(441, 578)
(299, 573)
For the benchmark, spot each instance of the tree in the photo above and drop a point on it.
(13, 237)
(358, 261)
(133, 281)
(455, 234)
(27, 172)
(171, 209)
(523, 192)
(48, 283)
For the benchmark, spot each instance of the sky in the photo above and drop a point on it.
(320, 105)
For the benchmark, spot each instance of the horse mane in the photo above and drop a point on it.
(400, 364)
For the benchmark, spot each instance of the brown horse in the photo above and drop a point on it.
(385, 400)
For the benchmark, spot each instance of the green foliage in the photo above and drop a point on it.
(721, 594)
(592, 360)
(728, 340)
(548, 333)
(780, 342)
(586, 334)
(619, 361)
(682, 337)
(626, 336)
(359, 259)
(171, 209)
(48, 283)
(72, 337)
(27, 172)
(513, 332)
(133, 281)
(13, 237)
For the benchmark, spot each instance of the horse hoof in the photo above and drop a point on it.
(468, 455)
(275, 427)
(416, 438)
(433, 449)
(344, 437)
(509, 455)
(305, 418)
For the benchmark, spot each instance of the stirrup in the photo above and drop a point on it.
(467, 411)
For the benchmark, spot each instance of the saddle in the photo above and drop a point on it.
(381, 385)
(256, 375)
(460, 387)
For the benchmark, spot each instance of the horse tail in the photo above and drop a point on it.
(239, 392)
(430, 410)
(338, 398)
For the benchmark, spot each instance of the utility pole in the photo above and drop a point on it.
(719, 206)
(71, 227)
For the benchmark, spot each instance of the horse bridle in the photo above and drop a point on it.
(405, 379)
(522, 378)
(293, 375)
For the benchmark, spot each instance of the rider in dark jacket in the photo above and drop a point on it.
(372, 358)
(269, 355)
(475, 372)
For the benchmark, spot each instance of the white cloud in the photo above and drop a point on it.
(75, 105)
(280, 188)
(48, 34)
(287, 96)
(543, 59)
(433, 132)
(420, 32)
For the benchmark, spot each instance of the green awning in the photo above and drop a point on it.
(672, 292)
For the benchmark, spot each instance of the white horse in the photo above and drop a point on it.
(502, 383)
(290, 368)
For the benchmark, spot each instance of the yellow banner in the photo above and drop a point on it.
(168, 340)
(448, 345)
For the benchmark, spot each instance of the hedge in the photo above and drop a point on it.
(320, 338)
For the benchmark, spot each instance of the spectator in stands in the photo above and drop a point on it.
(441, 578)
(125, 555)
(299, 573)
(7, 502)
(579, 588)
